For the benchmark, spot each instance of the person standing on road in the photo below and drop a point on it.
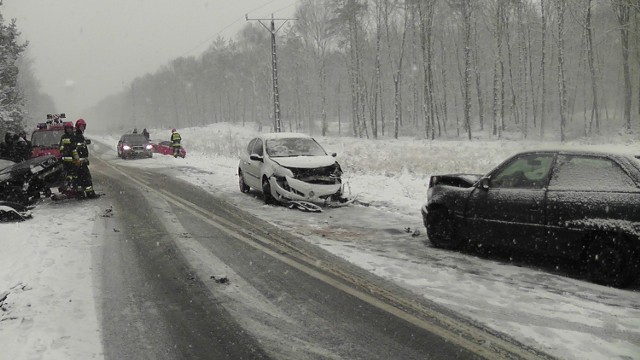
(85, 182)
(175, 143)
(70, 158)
(146, 134)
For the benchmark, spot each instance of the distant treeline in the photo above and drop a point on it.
(430, 68)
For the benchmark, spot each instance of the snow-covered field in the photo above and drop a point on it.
(45, 263)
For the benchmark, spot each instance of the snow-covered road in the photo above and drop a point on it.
(46, 261)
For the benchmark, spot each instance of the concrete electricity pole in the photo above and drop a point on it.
(277, 123)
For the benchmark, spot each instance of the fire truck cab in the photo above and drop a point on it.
(45, 139)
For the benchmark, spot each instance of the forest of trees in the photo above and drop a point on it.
(11, 98)
(556, 69)
(22, 104)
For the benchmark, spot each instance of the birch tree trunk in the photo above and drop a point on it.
(543, 92)
(466, 15)
(595, 113)
(622, 9)
(562, 86)
(426, 8)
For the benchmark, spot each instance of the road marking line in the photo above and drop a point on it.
(486, 345)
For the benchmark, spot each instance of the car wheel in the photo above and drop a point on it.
(440, 229)
(609, 261)
(266, 192)
(243, 185)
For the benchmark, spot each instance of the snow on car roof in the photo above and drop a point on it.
(284, 135)
(593, 150)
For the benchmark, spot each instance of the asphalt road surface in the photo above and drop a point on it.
(182, 274)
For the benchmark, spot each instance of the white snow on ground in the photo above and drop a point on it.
(565, 317)
(46, 275)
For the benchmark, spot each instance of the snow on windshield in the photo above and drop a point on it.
(294, 147)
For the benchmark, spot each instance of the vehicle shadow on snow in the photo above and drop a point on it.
(548, 264)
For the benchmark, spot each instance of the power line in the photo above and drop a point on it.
(277, 124)
(235, 22)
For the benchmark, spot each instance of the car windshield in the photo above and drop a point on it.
(135, 139)
(294, 147)
(49, 138)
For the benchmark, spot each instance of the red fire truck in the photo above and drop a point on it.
(45, 139)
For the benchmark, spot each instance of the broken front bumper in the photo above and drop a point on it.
(288, 188)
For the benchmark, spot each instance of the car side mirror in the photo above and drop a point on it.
(87, 141)
(483, 183)
(256, 157)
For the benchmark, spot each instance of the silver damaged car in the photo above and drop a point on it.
(290, 167)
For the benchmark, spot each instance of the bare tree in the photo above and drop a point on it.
(466, 16)
(396, 63)
(595, 113)
(622, 9)
(543, 89)
(498, 72)
(314, 23)
(562, 86)
(426, 9)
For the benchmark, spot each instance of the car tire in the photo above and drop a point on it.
(266, 192)
(609, 261)
(244, 188)
(441, 231)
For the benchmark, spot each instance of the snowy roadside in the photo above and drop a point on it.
(48, 306)
(565, 317)
(49, 257)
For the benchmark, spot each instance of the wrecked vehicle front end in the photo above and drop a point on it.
(449, 190)
(24, 182)
(321, 185)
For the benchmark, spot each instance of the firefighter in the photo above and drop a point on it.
(23, 147)
(84, 183)
(70, 157)
(175, 143)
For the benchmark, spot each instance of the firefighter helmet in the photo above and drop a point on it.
(81, 122)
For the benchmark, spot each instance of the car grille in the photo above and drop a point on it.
(137, 148)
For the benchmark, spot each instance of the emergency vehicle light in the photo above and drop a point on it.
(41, 126)
(49, 116)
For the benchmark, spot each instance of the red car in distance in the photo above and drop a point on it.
(164, 148)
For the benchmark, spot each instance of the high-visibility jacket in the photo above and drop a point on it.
(68, 148)
(175, 139)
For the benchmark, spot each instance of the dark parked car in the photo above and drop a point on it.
(567, 204)
(134, 145)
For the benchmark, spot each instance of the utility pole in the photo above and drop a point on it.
(277, 123)
(133, 104)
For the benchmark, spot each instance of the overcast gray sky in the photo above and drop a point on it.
(84, 50)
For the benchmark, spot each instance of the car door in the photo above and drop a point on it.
(587, 193)
(253, 167)
(510, 211)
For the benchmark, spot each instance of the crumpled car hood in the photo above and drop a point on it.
(458, 180)
(305, 162)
